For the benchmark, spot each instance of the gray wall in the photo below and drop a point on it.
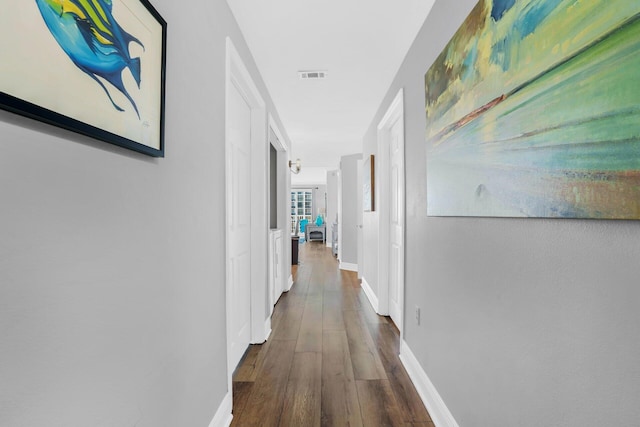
(350, 214)
(332, 196)
(112, 264)
(525, 322)
(319, 200)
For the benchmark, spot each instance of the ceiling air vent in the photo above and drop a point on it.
(312, 75)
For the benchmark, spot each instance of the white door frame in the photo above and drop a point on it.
(284, 207)
(393, 114)
(238, 76)
(284, 182)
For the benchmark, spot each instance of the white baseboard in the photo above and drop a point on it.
(373, 299)
(348, 266)
(267, 328)
(289, 284)
(438, 411)
(223, 415)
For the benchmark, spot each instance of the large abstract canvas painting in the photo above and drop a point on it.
(92, 66)
(533, 109)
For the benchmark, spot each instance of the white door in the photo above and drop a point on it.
(396, 218)
(239, 233)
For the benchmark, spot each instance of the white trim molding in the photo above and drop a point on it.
(283, 181)
(239, 77)
(223, 415)
(348, 266)
(267, 328)
(440, 414)
(371, 296)
(394, 114)
(289, 283)
(281, 144)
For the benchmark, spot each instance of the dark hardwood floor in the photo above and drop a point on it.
(330, 359)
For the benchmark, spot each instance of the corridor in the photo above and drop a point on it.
(330, 359)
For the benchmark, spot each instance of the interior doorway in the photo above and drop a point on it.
(392, 212)
(239, 222)
(280, 277)
(246, 240)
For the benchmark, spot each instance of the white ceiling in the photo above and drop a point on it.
(361, 43)
(310, 175)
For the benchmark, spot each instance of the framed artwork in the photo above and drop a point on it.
(368, 184)
(96, 67)
(533, 110)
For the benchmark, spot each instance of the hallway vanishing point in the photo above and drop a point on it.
(330, 359)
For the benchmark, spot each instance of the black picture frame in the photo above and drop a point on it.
(84, 100)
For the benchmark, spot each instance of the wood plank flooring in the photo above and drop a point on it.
(330, 360)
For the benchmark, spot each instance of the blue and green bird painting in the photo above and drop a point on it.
(88, 33)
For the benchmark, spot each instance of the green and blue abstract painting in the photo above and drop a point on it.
(533, 109)
(88, 33)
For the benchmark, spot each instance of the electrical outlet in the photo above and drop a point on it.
(417, 315)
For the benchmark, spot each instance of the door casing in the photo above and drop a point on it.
(238, 76)
(394, 113)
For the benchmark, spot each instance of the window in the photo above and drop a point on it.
(301, 204)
